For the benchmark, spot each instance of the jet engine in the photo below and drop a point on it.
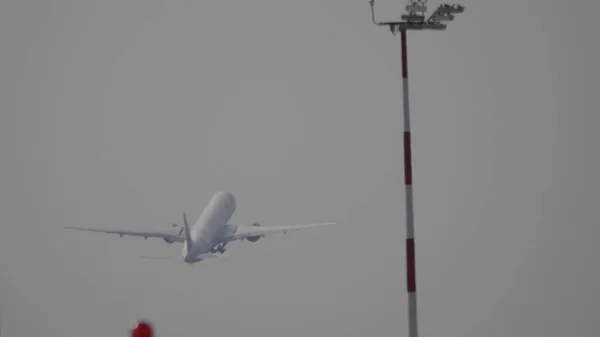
(179, 233)
(254, 238)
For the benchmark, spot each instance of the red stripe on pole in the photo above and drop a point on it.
(407, 159)
(411, 284)
(404, 58)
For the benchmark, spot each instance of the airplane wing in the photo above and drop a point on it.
(257, 231)
(145, 235)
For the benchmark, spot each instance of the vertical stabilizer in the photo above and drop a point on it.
(186, 232)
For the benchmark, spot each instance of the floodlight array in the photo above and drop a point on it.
(414, 18)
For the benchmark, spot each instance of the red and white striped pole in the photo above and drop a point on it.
(411, 283)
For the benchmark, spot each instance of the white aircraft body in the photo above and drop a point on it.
(212, 232)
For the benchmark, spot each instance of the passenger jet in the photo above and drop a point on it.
(212, 232)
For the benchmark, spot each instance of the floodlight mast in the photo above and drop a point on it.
(414, 19)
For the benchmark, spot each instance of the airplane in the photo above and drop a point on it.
(212, 232)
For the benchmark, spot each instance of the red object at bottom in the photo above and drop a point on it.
(142, 329)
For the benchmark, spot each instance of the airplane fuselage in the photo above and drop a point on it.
(212, 223)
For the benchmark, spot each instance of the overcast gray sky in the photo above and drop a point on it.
(124, 114)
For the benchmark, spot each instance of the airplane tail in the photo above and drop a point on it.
(187, 234)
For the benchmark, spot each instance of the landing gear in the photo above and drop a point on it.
(218, 248)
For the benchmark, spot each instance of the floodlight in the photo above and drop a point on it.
(416, 8)
(434, 26)
(440, 17)
(413, 17)
(445, 8)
